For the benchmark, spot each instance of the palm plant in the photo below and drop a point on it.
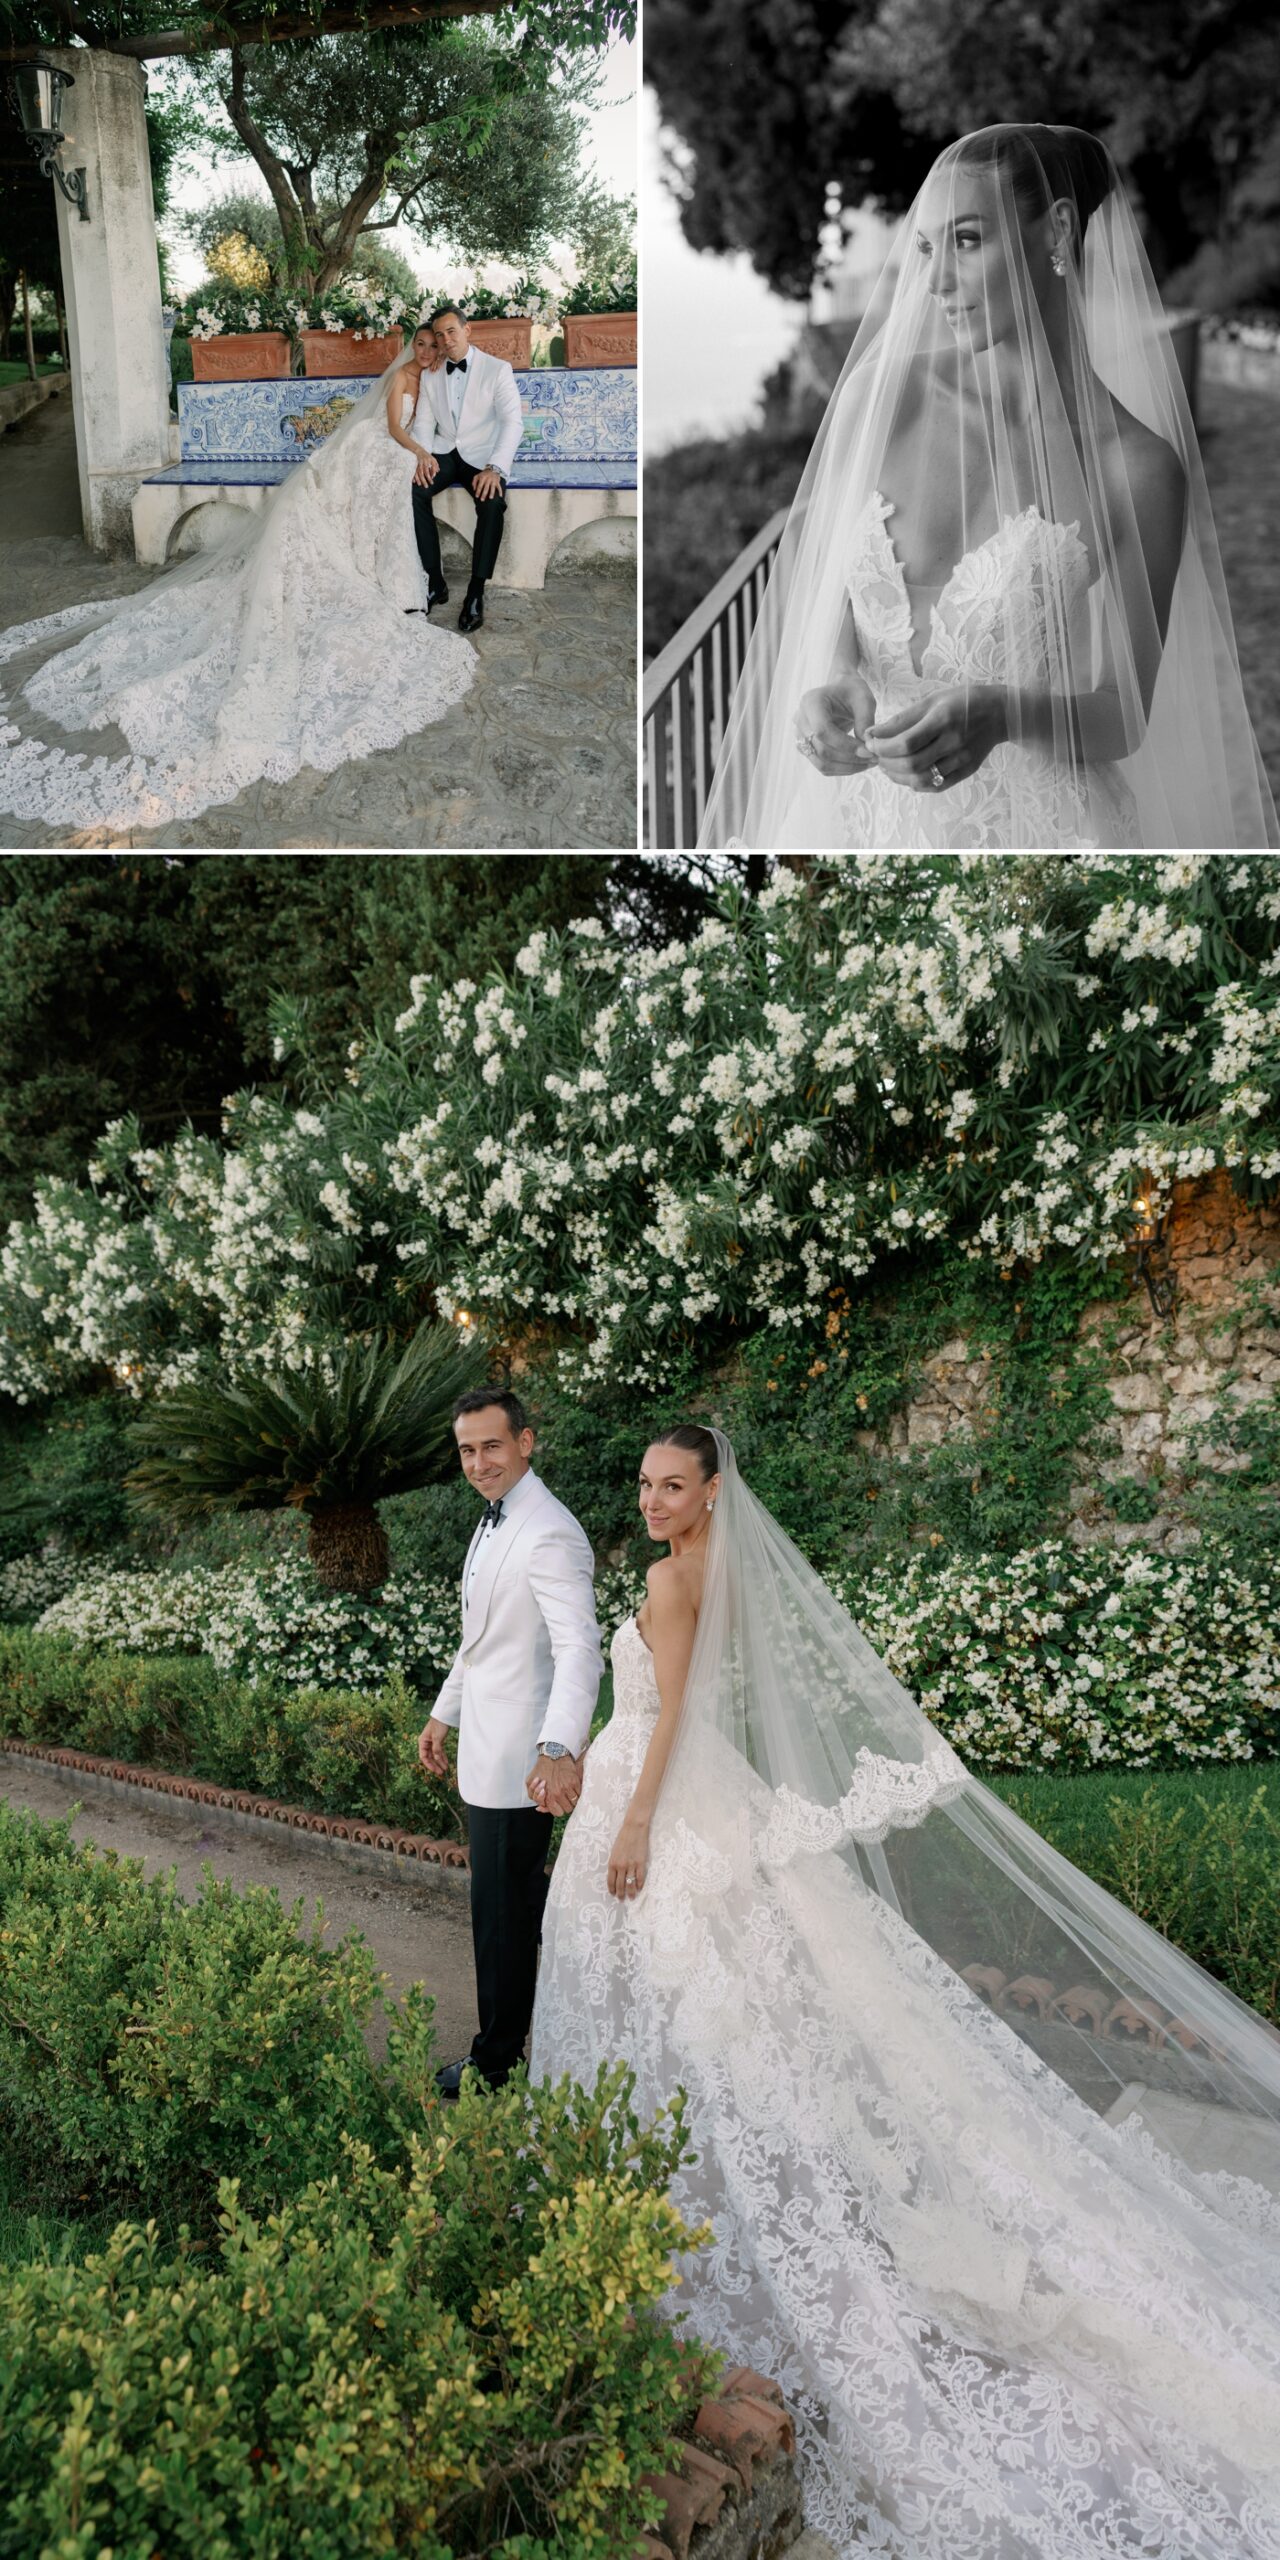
(332, 1442)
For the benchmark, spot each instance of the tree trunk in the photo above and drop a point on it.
(349, 1548)
(8, 306)
(26, 323)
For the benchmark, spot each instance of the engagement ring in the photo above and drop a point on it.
(937, 777)
(808, 744)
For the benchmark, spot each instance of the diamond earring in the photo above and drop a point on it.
(1058, 263)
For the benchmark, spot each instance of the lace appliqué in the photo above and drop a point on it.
(886, 1795)
(293, 650)
(1007, 2329)
(990, 625)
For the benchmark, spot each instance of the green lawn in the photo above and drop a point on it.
(16, 371)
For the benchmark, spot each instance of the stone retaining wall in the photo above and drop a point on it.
(1219, 1351)
(18, 398)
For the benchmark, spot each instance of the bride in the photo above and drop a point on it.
(300, 640)
(969, 2134)
(997, 618)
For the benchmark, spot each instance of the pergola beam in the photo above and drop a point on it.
(282, 26)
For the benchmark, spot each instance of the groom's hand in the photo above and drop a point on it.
(486, 484)
(431, 1750)
(427, 470)
(554, 1785)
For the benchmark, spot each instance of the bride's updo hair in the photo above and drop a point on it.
(693, 1437)
(1042, 163)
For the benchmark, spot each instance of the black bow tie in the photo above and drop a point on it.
(491, 1514)
(455, 364)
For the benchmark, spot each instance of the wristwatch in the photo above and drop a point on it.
(555, 1751)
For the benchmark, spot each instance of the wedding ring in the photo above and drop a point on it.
(808, 744)
(937, 777)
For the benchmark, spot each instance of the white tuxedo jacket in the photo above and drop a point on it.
(529, 1664)
(490, 421)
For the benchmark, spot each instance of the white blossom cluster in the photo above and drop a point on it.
(1062, 1659)
(1048, 1658)
(274, 1624)
(31, 1583)
(614, 1145)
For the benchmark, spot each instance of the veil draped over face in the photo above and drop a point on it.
(805, 1760)
(286, 646)
(1005, 501)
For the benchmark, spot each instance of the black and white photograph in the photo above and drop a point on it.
(962, 515)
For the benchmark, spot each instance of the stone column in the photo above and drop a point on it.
(111, 282)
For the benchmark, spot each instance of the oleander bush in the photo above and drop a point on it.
(609, 1152)
(384, 2326)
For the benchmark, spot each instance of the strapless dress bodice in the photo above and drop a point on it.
(635, 1682)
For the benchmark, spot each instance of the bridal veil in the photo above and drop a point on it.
(1008, 483)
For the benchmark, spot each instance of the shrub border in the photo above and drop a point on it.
(339, 1831)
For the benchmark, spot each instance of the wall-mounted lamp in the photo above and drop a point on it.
(38, 87)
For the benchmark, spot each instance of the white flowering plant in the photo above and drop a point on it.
(1052, 1658)
(356, 302)
(614, 1152)
(219, 306)
(1047, 1658)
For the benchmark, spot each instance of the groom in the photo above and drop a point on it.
(520, 1694)
(468, 418)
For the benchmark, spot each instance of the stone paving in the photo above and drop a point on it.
(541, 754)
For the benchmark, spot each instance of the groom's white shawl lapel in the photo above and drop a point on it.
(497, 1552)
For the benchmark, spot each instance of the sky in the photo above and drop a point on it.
(713, 330)
(610, 151)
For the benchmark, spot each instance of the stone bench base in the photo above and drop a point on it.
(173, 516)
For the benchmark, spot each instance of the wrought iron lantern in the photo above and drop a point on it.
(1151, 1253)
(38, 87)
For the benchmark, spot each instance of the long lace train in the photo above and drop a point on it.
(1009, 2330)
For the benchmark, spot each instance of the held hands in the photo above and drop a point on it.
(554, 1785)
(947, 736)
(824, 720)
(426, 469)
(431, 1752)
(629, 1860)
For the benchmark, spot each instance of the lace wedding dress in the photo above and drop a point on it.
(992, 624)
(290, 646)
(1007, 2329)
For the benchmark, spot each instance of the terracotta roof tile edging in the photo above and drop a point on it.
(339, 1827)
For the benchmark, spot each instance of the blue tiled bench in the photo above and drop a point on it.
(576, 462)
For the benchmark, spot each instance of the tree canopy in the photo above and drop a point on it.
(769, 109)
(445, 127)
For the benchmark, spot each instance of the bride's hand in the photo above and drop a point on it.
(949, 735)
(824, 720)
(629, 1860)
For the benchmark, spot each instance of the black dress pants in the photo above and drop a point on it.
(508, 1890)
(454, 473)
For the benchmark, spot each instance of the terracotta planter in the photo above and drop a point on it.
(600, 337)
(511, 339)
(339, 351)
(241, 356)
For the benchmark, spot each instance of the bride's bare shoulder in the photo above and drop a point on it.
(1142, 470)
(675, 1588)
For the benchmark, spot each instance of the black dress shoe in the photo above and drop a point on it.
(437, 595)
(472, 614)
(450, 2076)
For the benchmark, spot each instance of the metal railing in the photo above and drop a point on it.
(688, 690)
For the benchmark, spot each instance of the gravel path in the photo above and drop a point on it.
(419, 1932)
